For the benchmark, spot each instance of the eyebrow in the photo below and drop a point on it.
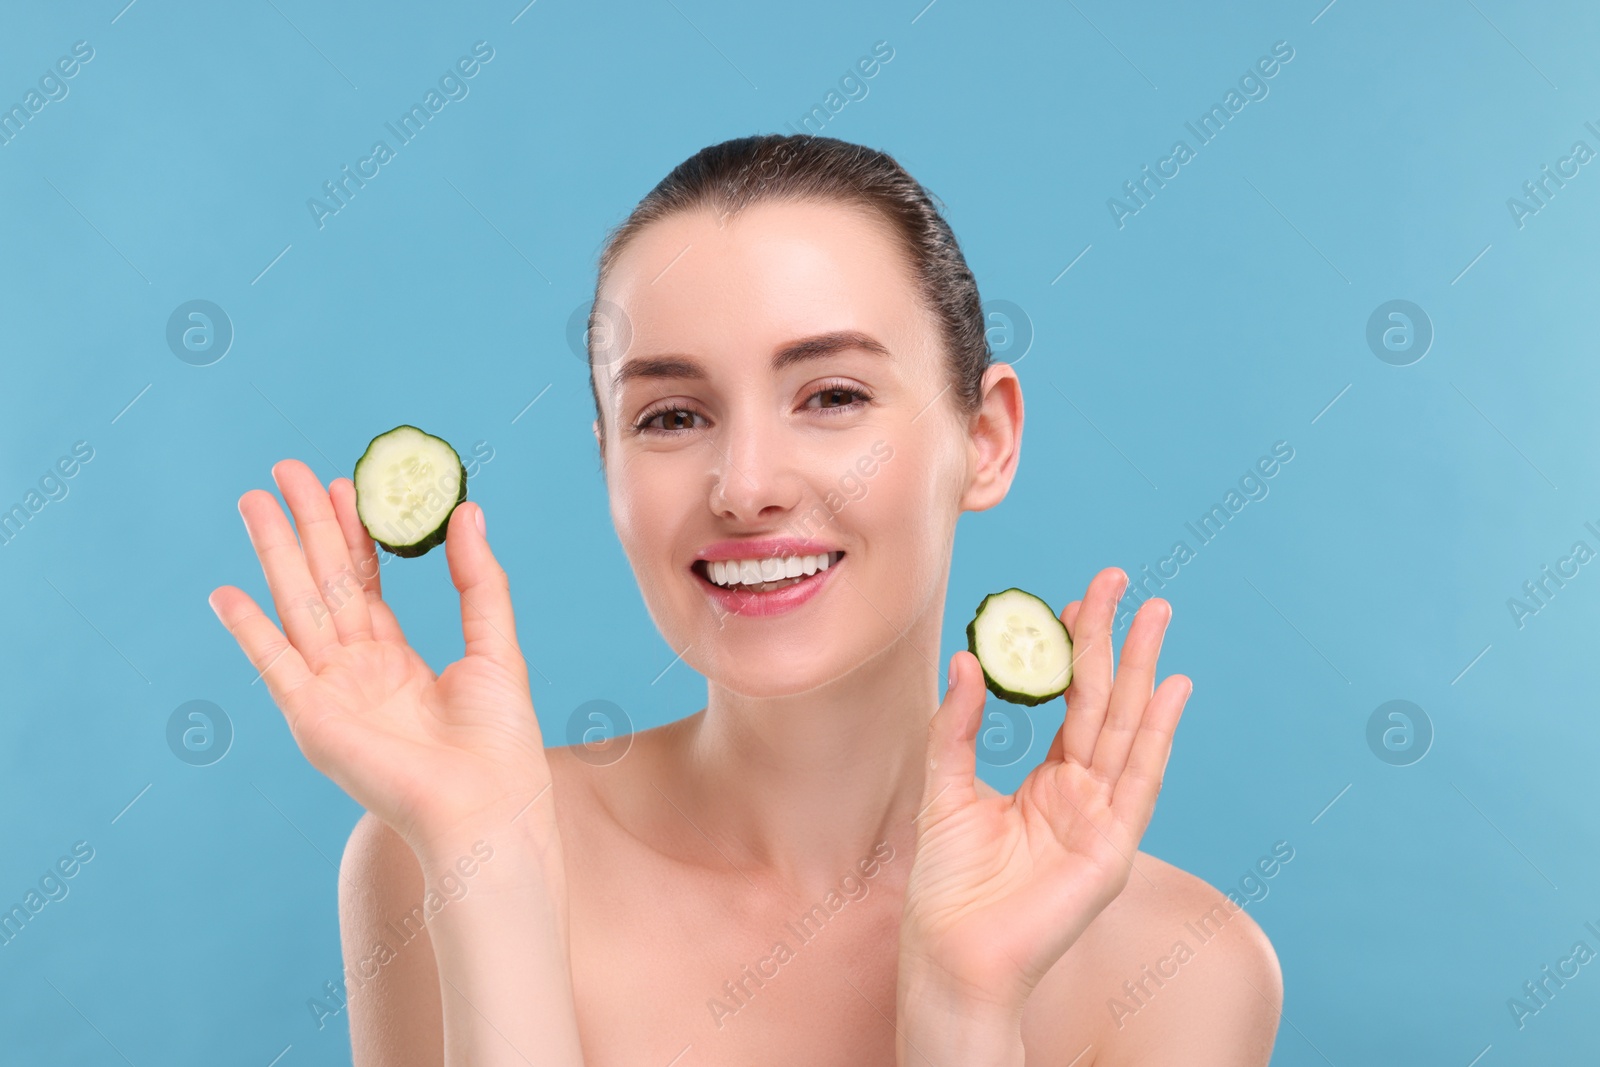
(807, 348)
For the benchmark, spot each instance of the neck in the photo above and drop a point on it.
(805, 786)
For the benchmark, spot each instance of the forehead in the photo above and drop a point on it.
(750, 283)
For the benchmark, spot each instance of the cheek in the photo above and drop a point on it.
(647, 504)
(659, 505)
(905, 520)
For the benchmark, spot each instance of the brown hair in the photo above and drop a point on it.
(729, 176)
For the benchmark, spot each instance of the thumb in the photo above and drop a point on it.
(952, 757)
(487, 623)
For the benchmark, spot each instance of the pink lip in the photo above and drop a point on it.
(773, 602)
(762, 548)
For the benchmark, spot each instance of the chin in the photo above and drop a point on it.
(770, 671)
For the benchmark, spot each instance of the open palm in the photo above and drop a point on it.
(1002, 885)
(429, 754)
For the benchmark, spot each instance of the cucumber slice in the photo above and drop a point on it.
(407, 485)
(1022, 646)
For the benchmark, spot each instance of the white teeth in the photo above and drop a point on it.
(770, 569)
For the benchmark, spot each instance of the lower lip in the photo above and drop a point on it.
(773, 602)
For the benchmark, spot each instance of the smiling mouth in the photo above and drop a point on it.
(764, 576)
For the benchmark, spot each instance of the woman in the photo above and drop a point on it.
(806, 870)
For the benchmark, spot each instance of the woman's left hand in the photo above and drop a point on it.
(1001, 886)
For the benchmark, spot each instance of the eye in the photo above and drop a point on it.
(832, 392)
(669, 412)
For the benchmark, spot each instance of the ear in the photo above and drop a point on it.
(600, 446)
(995, 445)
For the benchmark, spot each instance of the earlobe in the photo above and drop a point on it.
(996, 436)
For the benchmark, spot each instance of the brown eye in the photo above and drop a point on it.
(836, 398)
(674, 419)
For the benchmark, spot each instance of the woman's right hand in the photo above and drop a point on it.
(440, 758)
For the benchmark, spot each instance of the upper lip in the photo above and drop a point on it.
(763, 548)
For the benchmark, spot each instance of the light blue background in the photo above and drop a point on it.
(1225, 316)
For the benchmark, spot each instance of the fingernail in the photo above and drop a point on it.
(483, 529)
(950, 680)
(1122, 586)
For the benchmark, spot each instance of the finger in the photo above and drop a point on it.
(363, 552)
(300, 607)
(269, 652)
(952, 739)
(322, 540)
(1069, 617)
(1088, 694)
(487, 623)
(1134, 799)
(364, 557)
(1136, 673)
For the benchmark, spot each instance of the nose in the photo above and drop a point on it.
(755, 477)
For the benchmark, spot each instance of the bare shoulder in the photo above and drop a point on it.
(1173, 971)
(391, 982)
(391, 979)
(595, 786)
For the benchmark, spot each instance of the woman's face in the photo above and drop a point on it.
(782, 382)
